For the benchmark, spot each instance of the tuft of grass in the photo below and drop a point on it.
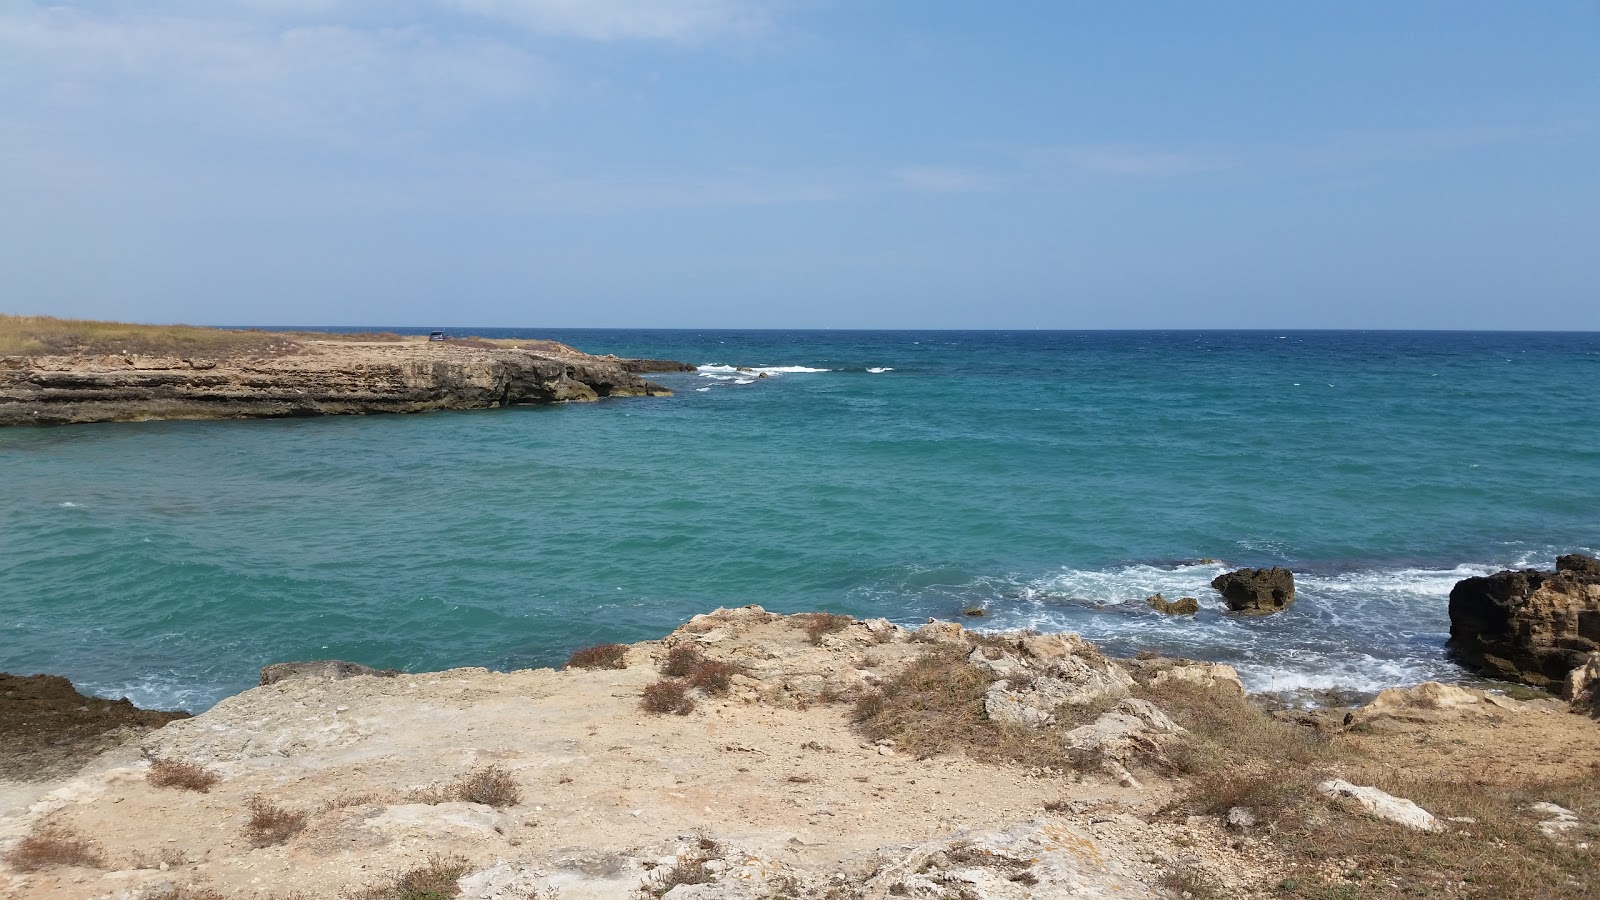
(682, 660)
(490, 785)
(820, 625)
(186, 892)
(437, 880)
(1188, 882)
(272, 824)
(715, 678)
(669, 695)
(179, 774)
(602, 656)
(52, 845)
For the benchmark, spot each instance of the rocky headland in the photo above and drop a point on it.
(212, 374)
(750, 755)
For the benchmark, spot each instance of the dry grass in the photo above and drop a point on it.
(179, 774)
(689, 869)
(936, 706)
(434, 881)
(49, 336)
(820, 625)
(52, 845)
(669, 695)
(713, 677)
(272, 824)
(186, 892)
(602, 656)
(490, 785)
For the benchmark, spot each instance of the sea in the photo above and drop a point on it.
(1051, 479)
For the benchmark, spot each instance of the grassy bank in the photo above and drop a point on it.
(48, 336)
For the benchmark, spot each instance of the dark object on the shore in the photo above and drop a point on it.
(1578, 563)
(1256, 592)
(1186, 606)
(48, 729)
(436, 336)
(332, 669)
(639, 366)
(1529, 626)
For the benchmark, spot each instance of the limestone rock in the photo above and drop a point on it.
(1528, 626)
(1583, 687)
(1381, 804)
(1578, 563)
(331, 669)
(1430, 702)
(1186, 606)
(1256, 592)
(1210, 675)
(1046, 672)
(1558, 820)
(1135, 727)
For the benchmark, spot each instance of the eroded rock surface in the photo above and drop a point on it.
(47, 728)
(316, 378)
(1256, 592)
(1529, 626)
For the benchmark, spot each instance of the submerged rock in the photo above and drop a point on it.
(1529, 626)
(1186, 606)
(1256, 592)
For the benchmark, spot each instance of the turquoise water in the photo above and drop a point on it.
(1051, 477)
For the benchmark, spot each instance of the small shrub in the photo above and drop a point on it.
(50, 846)
(490, 785)
(603, 656)
(186, 892)
(715, 678)
(682, 660)
(668, 695)
(689, 869)
(272, 824)
(434, 881)
(179, 774)
(820, 625)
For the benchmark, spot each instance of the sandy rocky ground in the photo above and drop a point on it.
(797, 803)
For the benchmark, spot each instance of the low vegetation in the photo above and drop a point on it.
(690, 868)
(272, 824)
(820, 625)
(601, 656)
(49, 336)
(53, 845)
(437, 880)
(491, 785)
(186, 776)
(669, 695)
(714, 677)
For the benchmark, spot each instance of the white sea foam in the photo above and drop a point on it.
(68, 505)
(724, 372)
(702, 390)
(744, 381)
(881, 369)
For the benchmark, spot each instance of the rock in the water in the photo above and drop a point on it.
(1578, 563)
(332, 669)
(1583, 687)
(1186, 606)
(1256, 592)
(1383, 805)
(1528, 626)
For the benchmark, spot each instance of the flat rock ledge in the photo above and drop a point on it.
(321, 377)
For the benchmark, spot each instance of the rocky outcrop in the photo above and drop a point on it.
(1381, 804)
(47, 727)
(1578, 564)
(1256, 592)
(331, 669)
(1583, 687)
(1528, 626)
(1186, 606)
(1041, 674)
(313, 378)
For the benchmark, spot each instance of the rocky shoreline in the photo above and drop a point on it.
(295, 376)
(755, 756)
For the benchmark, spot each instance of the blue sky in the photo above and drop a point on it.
(803, 163)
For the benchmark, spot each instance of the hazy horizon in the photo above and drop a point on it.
(791, 164)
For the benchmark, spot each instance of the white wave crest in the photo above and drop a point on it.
(68, 505)
(715, 371)
(881, 369)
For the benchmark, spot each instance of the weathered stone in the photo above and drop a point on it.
(1186, 606)
(1382, 805)
(332, 669)
(1209, 675)
(1256, 592)
(1578, 563)
(1134, 727)
(1583, 687)
(1528, 626)
(48, 728)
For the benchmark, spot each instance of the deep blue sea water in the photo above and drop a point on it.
(1054, 478)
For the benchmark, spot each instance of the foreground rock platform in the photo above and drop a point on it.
(768, 790)
(314, 377)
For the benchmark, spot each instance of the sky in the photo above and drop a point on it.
(803, 163)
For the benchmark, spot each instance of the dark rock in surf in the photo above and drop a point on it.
(1529, 626)
(1186, 606)
(1256, 592)
(1578, 563)
(331, 669)
(48, 729)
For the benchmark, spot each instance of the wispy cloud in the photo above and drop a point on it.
(1156, 162)
(611, 20)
